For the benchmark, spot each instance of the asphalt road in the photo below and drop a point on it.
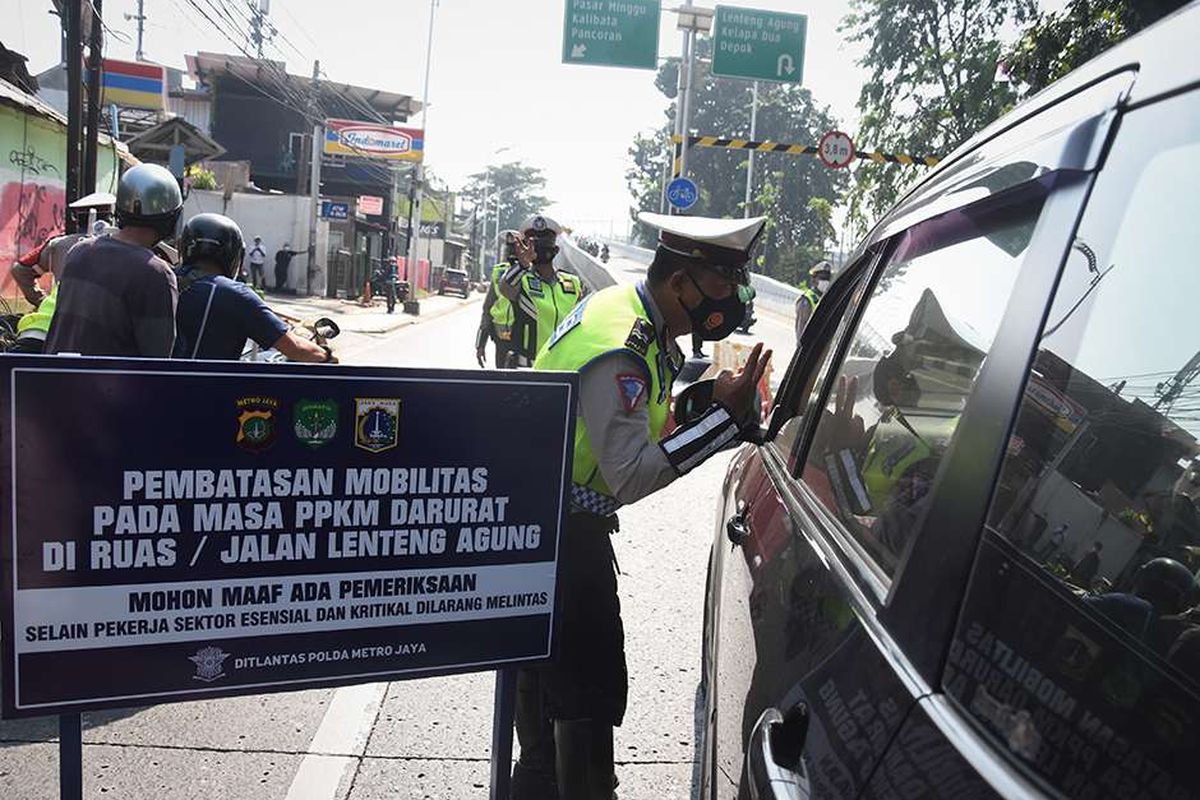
(414, 739)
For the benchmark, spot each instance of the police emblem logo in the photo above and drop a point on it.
(539, 223)
(631, 388)
(315, 421)
(376, 423)
(256, 423)
(209, 663)
(714, 320)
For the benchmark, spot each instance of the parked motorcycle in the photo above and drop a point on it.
(604, 254)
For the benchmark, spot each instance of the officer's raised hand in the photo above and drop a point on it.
(738, 392)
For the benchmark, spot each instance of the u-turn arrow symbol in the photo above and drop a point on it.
(784, 64)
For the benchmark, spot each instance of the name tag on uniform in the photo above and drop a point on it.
(569, 322)
(534, 285)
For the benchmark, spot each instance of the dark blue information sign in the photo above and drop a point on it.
(177, 531)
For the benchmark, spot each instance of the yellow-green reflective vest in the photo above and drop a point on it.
(613, 320)
(552, 302)
(894, 450)
(809, 294)
(501, 310)
(38, 322)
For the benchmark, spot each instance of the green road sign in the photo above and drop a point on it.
(616, 33)
(759, 45)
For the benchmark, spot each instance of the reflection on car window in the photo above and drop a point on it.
(785, 440)
(911, 364)
(1087, 573)
(1102, 479)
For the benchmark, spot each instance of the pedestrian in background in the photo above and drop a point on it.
(117, 297)
(258, 264)
(283, 264)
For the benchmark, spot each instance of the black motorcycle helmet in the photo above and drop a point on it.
(1168, 585)
(214, 240)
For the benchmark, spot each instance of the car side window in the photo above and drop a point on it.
(800, 403)
(898, 394)
(1085, 580)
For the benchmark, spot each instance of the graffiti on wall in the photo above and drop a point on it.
(29, 161)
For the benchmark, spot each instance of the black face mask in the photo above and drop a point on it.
(714, 319)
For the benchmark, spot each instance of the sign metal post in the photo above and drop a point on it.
(70, 757)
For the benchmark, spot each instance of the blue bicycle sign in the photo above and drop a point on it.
(682, 193)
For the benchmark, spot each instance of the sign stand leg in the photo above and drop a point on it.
(502, 732)
(70, 757)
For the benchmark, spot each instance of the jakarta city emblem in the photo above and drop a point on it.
(376, 423)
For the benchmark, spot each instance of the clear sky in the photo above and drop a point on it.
(496, 80)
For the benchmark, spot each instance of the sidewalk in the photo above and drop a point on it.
(373, 319)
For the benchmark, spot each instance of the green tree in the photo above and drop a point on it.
(784, 185)
(1056, 43)
(932, 84)
(520, 189)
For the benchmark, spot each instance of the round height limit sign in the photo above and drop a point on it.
(836, 149)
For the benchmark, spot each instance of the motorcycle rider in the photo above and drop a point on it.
(496, 320)
(217, 313)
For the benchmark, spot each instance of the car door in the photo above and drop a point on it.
(1074, 666)
(811, 681)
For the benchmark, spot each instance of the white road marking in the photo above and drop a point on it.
(339, 740)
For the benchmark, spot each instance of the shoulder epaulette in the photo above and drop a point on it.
(640, 336)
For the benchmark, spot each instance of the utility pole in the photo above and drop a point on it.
(95, 50)
(140, 16)
(73, 21)
(750, 166)
(415, 229)
(487, 185)
(314, 185)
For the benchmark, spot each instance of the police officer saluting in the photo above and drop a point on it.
(541, 296)
(622, 343)
(217, 313)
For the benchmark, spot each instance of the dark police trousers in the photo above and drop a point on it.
(566, 711)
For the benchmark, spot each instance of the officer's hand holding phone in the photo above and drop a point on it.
(525, 251)
(737, 392)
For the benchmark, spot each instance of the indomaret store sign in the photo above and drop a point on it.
(212, 529)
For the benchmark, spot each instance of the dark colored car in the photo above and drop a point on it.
(455, 280)
(963, 563)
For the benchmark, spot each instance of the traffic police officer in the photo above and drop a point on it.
(621, 340)
(541, 296)
(819, 278)
(95, 210)
(496, 321)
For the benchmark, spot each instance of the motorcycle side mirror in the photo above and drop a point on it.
(693, 401)
(326, 328)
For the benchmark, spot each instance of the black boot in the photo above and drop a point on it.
(584, 759)
(533, 774)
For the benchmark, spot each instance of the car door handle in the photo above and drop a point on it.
(736, 527)
(773, 755)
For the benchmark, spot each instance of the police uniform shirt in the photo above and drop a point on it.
(632, 465)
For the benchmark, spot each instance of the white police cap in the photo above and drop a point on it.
(540, 224)
(721, 244)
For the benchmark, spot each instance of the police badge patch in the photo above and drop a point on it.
(256, 423)
(640, 337)
(209, 663)
(315, 421)
(376, 423)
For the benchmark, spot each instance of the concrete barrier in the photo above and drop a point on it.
(571, 258)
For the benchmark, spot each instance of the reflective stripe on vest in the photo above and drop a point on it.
(36, 324)
(547, 304)
(600, 326)
(501, 310)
